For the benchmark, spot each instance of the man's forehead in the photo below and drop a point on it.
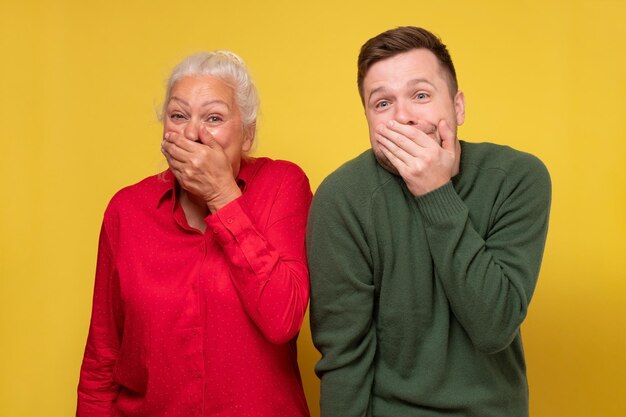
(415, 60)
(402, 70)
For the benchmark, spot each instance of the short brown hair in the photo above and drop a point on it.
(403, 39)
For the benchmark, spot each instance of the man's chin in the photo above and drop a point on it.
(384, 162)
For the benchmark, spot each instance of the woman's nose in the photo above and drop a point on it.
(192, 131)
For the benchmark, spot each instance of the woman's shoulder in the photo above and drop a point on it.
(147, 191)
(267, 167)
(266, 163)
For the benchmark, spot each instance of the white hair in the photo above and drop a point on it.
(228, 67)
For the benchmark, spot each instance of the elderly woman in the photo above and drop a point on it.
(201, 282)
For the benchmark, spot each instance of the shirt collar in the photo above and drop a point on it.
(246, 172)
(168, 185)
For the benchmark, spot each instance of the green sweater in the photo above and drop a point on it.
(417, 302)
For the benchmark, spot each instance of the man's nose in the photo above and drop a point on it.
(404, 113)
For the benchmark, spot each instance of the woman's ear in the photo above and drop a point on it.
(249, 134)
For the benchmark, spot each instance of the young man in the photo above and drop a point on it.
(423, 251)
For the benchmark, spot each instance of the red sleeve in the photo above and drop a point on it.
(96, 388)
(268, 267)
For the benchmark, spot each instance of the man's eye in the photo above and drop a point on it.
(421, 96)
(382, 104)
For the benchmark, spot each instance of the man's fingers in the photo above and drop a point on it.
(451, 145)
(392, 158)
(400, 140)
(420, 133)
(391, 146)
(448, 138)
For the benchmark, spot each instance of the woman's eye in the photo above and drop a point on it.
(176, 116)
(214, 119)
(421, 96)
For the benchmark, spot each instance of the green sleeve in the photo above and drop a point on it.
(342, 302)
(489, 281)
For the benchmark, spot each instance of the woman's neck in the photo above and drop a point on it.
(195, 210)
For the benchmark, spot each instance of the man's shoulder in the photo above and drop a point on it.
(492, 156)
(360, 175)
(351, 187)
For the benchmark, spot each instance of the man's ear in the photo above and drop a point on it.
(459, 107)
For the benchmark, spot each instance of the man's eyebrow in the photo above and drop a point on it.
(409, 83)
(376, 90)
(420, 81)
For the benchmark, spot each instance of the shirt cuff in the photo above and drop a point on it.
(228, 222)
(440, 204)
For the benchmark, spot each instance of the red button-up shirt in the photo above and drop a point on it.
(186, 323)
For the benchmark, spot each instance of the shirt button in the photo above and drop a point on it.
(229, 221)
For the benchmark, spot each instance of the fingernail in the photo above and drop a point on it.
(390, 123)
(167, 135)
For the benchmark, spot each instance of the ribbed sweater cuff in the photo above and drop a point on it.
(440, 204)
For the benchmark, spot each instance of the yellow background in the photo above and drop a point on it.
(81, 81)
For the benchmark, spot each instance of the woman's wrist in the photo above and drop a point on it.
(223, 199)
